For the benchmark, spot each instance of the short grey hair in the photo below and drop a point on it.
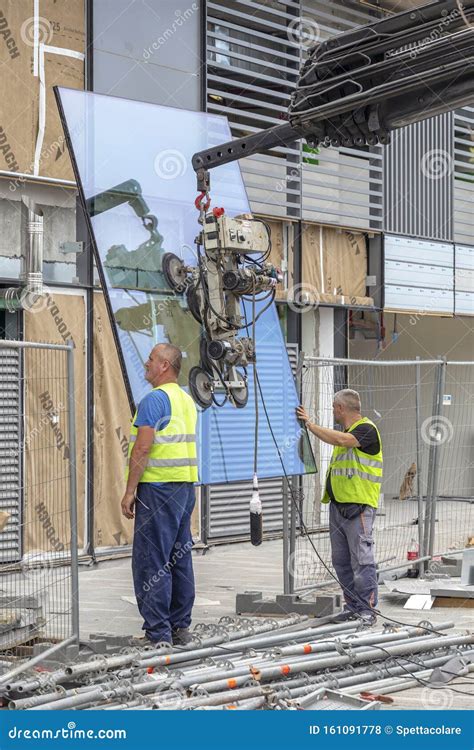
(348, 398)
(172, 354)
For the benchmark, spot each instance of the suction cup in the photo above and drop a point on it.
(193, 303)
(174, 272)
(200, 385)
(240, 396)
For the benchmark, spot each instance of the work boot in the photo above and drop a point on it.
(344, 616)
(181, 636)
(368, 618)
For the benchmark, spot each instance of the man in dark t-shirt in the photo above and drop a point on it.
(368, 439)
(352, 488)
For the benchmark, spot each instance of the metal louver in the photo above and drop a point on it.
(10, 461)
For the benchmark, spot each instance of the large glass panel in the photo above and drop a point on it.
(133, 161)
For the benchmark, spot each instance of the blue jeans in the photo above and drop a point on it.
(162, 565)
(352, 547)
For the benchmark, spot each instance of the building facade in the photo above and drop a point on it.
(367, 239)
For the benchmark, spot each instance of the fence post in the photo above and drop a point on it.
(419, 467)
(73, 490)
(286, 540)
(292, 547)
(436, 461)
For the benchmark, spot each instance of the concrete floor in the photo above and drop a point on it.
(107, 604)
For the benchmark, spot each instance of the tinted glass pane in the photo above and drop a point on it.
(134, 163)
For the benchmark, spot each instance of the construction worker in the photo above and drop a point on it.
(352, 488)
(162, 467)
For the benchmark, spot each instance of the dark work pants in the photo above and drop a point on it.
(352, 547)
(161, 561)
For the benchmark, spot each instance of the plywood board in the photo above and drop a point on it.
(35, 56)
(111, 430)
(334, 265)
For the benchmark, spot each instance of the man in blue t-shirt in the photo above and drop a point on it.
(162, 543)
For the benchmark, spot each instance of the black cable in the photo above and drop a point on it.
(305, 529)
(255, 446)
(420, 680)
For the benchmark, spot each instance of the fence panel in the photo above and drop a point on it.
(454, 433)
(401, 397)
(39, 576)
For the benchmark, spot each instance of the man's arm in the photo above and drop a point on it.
(136, 467)
(332, 437)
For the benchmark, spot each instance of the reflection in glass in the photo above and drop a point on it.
(133, 161)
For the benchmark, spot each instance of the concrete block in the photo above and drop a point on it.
(252, 602)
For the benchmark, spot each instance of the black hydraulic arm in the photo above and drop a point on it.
(357, 87)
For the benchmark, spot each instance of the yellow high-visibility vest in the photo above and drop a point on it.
(173, 455)
(356, 477)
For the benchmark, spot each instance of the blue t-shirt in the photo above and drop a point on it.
(154, 411)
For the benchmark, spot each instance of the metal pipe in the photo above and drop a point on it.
(96, 694)
(112, 662)
(327, 361)
(311, 665)
(308, 648)
(431, 461)
(215, 680)
(403, 683)
(292, 547)
(71, 421)
(31, 274)
(8, 344)
(105, 693)
(266, 690)
(286, 540)
(35, 660)
(24, 177)
(35, 683)
(176, 658)
(37, 700)
(354, 684)
(436, 460)
(419, 489)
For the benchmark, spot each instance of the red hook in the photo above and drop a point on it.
(198, 202)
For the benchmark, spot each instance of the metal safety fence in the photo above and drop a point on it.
(38, 516)
(424, 410)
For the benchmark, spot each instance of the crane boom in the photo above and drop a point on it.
(357, 87)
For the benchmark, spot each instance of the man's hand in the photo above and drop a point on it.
(302, 414)
(128, 504)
